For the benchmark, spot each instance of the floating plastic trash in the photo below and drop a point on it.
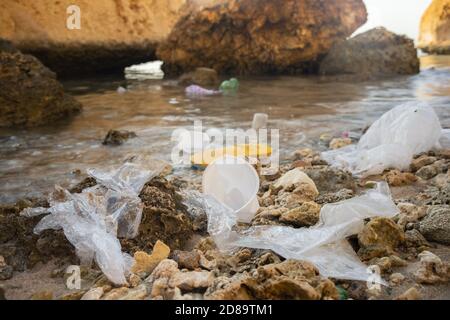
(121, 90)
(231, 85)
(143, 71)
(93, 219)
(260, 121)
(391, 142)
(235, 183)
(195, 90)
(324, 245)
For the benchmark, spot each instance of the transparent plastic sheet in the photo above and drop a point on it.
(324, 245)
(197, 91)
(93, 219)
(391, 142)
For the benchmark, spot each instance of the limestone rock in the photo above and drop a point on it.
(204, 77)
(113, 34)
(396, 279)
(30, 95)
(338, 143)
(164, 218)
(192, 280)
(415, 239)
(293, 178)
(6, 272)
(430, 171)
(422, 161)
(436, 225)
(410, 294)
(117, 138)
(381, 236)
(147, 263)
(259, 36)
(435, 28)
(187, 259)
(330, 180)
(167, 279)
(290, 280)
(306, 215)
(377, 52)
(410, 213)
(295, 184)
(43, 295)
(396, 178)
(432, 270)
(93, 294)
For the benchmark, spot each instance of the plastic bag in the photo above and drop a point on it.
(391, 142)
(93, 219)
(195, 90)
(143, 71)
(324, 245)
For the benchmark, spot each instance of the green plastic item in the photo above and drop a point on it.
(230, 85)
(343, 294)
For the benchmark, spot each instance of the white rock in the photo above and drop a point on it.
(93, 294)
(294, 177)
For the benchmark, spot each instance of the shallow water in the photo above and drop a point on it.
(302, 108)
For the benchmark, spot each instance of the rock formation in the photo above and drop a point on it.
(259, 36)
(113, 33)
(375, 52)
(435, 28)
(30, 95)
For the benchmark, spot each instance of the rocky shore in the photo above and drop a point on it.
(30, 94)
(175, 258)
(435, 28)
(259, 37)
(111, 35)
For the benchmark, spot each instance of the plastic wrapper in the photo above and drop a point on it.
(93, 220)
(391, 142)
(324, 245)
(195, 90)
(144, 71)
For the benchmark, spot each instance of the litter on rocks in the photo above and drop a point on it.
(199, 149)
(238, 188)
(93, 220)
(324, 244)
(391, 142)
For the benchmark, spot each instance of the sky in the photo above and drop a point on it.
(399, 16)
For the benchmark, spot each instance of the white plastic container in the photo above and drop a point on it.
(260, 121)
(235, 183)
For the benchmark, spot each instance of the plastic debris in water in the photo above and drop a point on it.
(195, 90)
(121, 90)
(231, 85)
(148, 70)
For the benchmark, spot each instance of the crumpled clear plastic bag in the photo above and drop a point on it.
(324, 245)
(391, 142)
(93, 220)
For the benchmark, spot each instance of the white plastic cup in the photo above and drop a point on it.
(235, 183)
(260, 121)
